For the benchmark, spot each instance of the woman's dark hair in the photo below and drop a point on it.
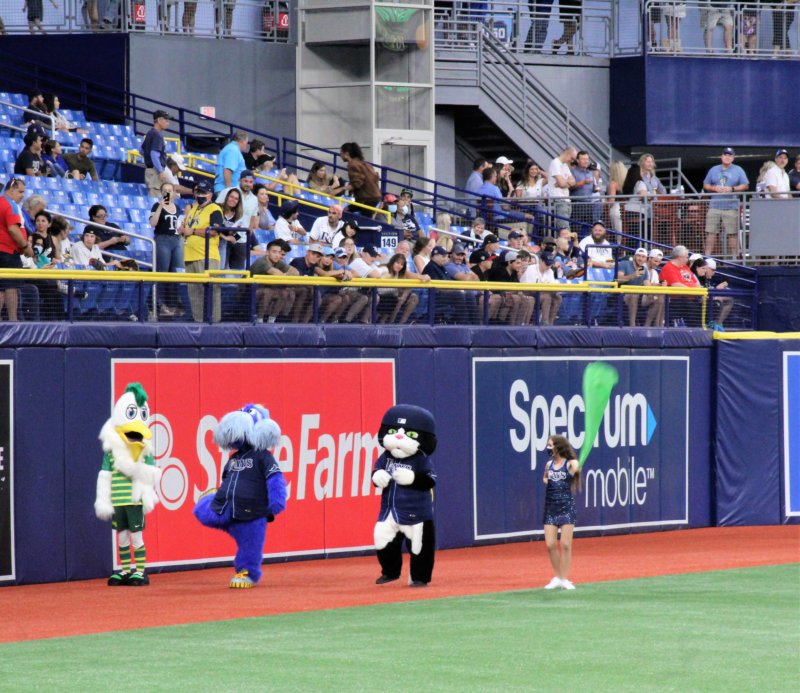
(353, 150)
(564, 450)
(316, 166)
(237, 210)
(395, 258)
(419, 244)
(634, 175)
(696, 265)
(45, 214)
(58, 225)
(530, 162)
(49, 146)
(95, 209)
(49, 103)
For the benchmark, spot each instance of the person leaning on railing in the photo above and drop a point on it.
(198, 222)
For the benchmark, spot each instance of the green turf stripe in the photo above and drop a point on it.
(735, 630)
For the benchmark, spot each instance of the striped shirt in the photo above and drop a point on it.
(121, 485)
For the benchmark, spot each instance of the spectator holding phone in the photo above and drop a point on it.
(164, 217)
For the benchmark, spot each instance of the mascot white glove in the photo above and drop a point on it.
(381, 478)
(403, 476)
(102, 504)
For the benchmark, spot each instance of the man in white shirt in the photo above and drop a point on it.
(776, 180)
(540, 271)
(601, 258)
(324, 229)
(561, 180)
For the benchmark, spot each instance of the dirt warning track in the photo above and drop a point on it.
(78, 608)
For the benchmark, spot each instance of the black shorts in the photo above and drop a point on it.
(10, 261)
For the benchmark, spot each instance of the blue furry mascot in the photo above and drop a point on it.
(253, 489)
(406, 475)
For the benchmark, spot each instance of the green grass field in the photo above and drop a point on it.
(735, 630)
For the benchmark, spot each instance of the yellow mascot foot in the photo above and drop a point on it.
(242, 581)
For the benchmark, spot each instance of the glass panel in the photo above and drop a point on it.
(402, 45)
(404, 157)
(403, 108)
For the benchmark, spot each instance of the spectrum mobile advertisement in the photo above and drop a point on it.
(635, 475)
(329, 411)
(791, 433)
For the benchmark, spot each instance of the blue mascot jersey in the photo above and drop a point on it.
(407, 505)
(244, 484)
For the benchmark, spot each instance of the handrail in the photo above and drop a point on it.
(574, 128)
(116, 232)
(39, 117)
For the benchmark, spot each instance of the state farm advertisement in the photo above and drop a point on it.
(329, 412)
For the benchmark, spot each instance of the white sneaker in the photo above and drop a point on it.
(567, 585)
(555, 582)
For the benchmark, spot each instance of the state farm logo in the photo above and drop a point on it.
(321, 466)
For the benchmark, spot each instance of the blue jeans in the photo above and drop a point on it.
(169, 258)
(540, 21)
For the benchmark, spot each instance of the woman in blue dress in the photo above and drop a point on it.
(562, 476)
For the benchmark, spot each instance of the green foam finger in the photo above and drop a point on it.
(598, 381)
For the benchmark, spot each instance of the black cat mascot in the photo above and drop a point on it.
(406, 475)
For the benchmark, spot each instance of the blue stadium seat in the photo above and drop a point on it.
(137, 215)
(74, 117)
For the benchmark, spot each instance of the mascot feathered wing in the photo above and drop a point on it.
(126, 484)
(252, 491)
(406, 475)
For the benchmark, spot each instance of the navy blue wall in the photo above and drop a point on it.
(704, 102)
(778, 307)
(62, 394)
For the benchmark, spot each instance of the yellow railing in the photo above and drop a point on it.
(133, 156)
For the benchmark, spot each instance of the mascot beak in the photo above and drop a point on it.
(134, 433)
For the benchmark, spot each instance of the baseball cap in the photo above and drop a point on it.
(202, 186)
(509, 255)
(479, 256)
(728, 150)
(288, 207)
(781, 151)
(340, 252)
(546, 258)
(161, 114)
(640, 251)
(548, 240)
(370, 250)
(327, 250)
(178, 160)
(407, 192)
(353, 224)
(515, 234)
(458, 249)
(490, 238)
(655, 252)
(503, 160)
(711, 262)
(694, 257)
(316, 248)
(247, 174)
(438, 250)
(388, 197)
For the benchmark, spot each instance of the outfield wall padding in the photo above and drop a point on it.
(63, 393)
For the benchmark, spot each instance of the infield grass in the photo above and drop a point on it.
(734, 630)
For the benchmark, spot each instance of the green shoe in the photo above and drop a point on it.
(119, 577)
(138, 578)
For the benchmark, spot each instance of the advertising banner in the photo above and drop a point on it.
(636, 473)
(6, 472)
(329, 411)
(791, 433)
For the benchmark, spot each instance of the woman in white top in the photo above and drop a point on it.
(645, 186)
(422, 253)
(533, 184)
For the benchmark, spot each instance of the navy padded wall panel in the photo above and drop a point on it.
(748, 430)
(40, 506)
(86, 409)
(449, 396)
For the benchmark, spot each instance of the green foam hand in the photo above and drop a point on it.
(598, 381)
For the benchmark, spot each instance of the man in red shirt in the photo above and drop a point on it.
(13, 243)
(676, 273)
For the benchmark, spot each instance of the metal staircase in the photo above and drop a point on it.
(517, 102)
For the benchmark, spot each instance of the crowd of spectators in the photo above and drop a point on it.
(217, 230)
